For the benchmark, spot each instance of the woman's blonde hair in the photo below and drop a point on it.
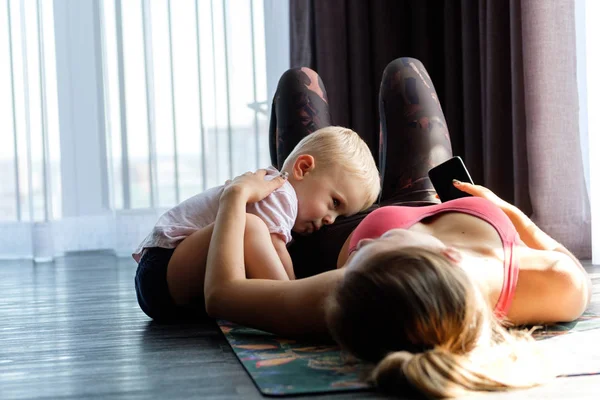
(337, 146)
(421, 320)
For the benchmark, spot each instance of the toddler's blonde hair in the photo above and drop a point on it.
(342, 147)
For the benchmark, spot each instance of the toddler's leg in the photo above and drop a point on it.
(260, 257)
(185, 273)
(413, 135)
(299, 108)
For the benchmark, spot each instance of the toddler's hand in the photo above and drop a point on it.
(252, 186)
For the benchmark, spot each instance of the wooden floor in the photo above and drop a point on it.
(72, 330)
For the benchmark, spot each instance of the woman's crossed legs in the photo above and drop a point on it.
(413, 138)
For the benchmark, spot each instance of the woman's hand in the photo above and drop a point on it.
(252, 186)
(481, 191)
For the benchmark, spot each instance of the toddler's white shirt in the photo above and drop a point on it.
(279, 211)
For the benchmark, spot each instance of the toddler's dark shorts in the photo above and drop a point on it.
(152, 289)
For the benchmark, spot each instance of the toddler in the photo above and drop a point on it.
(331, 172)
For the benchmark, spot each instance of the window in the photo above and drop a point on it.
(117, 109)
(30, 151)
(192, 93)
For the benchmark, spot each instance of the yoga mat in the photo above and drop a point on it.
(283, 367)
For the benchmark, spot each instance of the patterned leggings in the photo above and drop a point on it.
(413, 138)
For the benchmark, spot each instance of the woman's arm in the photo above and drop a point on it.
(529, 232)
(568, 285)
(551, 288)
(553, 268)
(282, 307)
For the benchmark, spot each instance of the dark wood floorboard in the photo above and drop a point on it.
(72, 329)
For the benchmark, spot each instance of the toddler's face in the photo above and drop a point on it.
(323, 196)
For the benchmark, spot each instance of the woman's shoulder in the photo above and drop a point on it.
(551, 287)
(547, 262)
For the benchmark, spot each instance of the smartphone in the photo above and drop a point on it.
(441, 177)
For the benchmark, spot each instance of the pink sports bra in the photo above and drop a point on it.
(393, 217)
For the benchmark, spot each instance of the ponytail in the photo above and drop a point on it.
(427, 303)
(442, 373)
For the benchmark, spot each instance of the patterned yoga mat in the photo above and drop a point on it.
(283, 367)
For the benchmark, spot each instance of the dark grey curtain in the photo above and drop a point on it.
(505, 75)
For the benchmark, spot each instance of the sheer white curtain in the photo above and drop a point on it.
(115, 110)
(588, 63)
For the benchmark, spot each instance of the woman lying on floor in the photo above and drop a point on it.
(425, 293)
